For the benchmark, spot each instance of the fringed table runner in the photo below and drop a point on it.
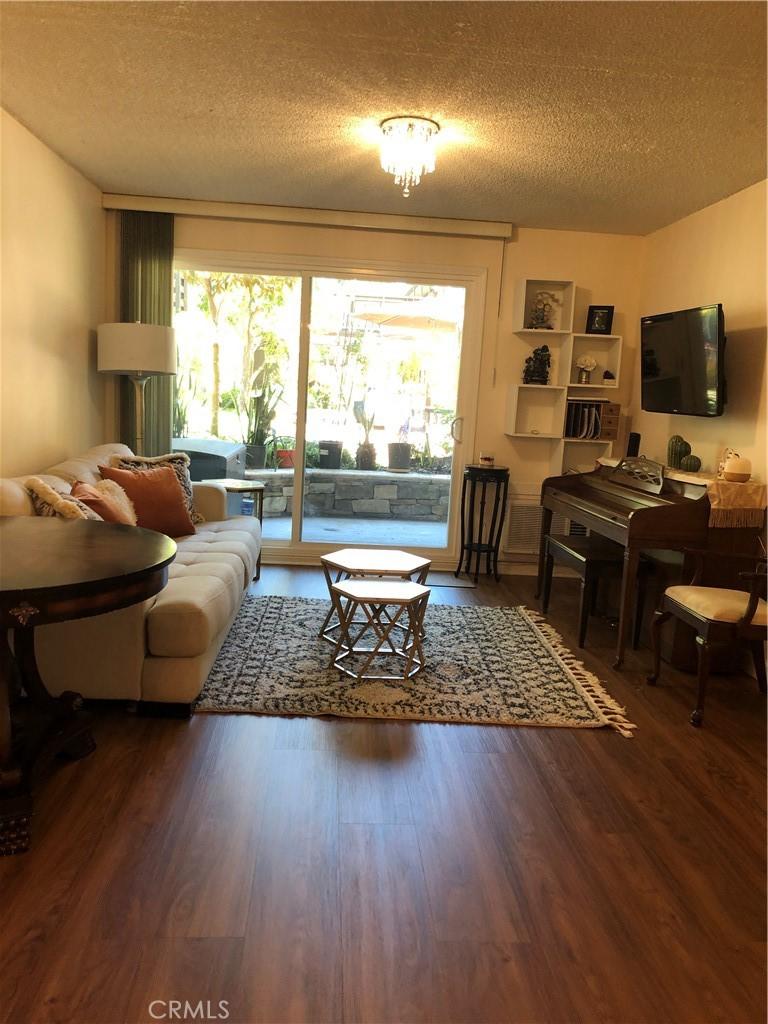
(734, 504)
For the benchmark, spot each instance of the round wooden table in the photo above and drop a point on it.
(54, 570)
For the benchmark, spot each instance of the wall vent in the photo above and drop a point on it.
(523, 526)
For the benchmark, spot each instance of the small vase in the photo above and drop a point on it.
(584, 376)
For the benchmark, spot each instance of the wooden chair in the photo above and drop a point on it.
(720, 617)
(592, 558)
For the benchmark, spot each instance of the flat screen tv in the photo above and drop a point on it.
(683, 362)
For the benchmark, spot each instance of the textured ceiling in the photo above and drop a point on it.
(600, 116)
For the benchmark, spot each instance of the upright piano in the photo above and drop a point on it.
(635, 504)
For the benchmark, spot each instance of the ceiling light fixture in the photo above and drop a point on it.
(408, 149)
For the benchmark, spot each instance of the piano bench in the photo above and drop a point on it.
(591, 558)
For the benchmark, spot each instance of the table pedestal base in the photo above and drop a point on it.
(35, 727)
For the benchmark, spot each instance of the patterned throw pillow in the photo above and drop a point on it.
(49, 502)
(179, 463)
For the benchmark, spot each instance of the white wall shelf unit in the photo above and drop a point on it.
(605, 349)
(537, 412)
(558, 294)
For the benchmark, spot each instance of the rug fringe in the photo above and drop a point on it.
(612, 713)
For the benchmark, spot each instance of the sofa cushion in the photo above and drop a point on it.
(157, 497)
(240, 536)
(230, 573)
(234, 561)
(85, 467)
(190, 612)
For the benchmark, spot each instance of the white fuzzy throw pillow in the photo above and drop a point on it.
(49, 502)
(116, 494)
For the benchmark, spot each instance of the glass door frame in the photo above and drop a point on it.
(472, 278)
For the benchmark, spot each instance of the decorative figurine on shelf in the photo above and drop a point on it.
(679, 455)
(734, 467)
(609, 379)
(677, 449)
(537, 364)
(690, 463)
(542, 308)
(586, 365)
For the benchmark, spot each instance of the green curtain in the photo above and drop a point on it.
(146, 294)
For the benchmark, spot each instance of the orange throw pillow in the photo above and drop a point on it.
(157, 497)
(102, 499)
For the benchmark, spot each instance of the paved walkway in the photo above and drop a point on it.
(356, 531)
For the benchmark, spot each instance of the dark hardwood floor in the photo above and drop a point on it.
(309, 870)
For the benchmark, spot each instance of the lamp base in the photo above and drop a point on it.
(139, 383)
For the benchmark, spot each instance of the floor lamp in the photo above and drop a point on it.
(138, 351)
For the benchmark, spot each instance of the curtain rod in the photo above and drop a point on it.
(313, 218)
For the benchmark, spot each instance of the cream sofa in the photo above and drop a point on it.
(160, 652)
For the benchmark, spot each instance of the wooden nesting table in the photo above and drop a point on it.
(381, 593)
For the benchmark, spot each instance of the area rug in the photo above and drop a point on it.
(501, 666)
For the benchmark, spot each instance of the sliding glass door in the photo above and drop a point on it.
(383, 374)
(348, 393)
(237, 381)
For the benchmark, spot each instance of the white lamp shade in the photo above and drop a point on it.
(136, 349)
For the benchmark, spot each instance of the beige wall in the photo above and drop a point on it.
(52, 401)
(716, 255)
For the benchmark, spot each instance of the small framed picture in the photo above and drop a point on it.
(599, 320)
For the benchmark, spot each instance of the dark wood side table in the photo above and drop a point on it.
(54, 570)
(475, 540)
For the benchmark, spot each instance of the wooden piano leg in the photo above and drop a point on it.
(546, 526)
(628, 584)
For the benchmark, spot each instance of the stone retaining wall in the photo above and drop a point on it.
(358, 493)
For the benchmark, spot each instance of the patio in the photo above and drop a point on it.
(360, 531)
(359, 506)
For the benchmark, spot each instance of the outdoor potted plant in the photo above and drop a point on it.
(366, 452)
(260, 416)
(285, 452)
(259, 411)
(400, 451)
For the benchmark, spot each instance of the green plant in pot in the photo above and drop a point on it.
(366, 453)
(260, 414)
(285, 452)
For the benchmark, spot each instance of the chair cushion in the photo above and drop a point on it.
(716, 604)
(195, 606)
(157, 497)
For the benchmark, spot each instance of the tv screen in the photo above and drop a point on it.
(682, 362)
